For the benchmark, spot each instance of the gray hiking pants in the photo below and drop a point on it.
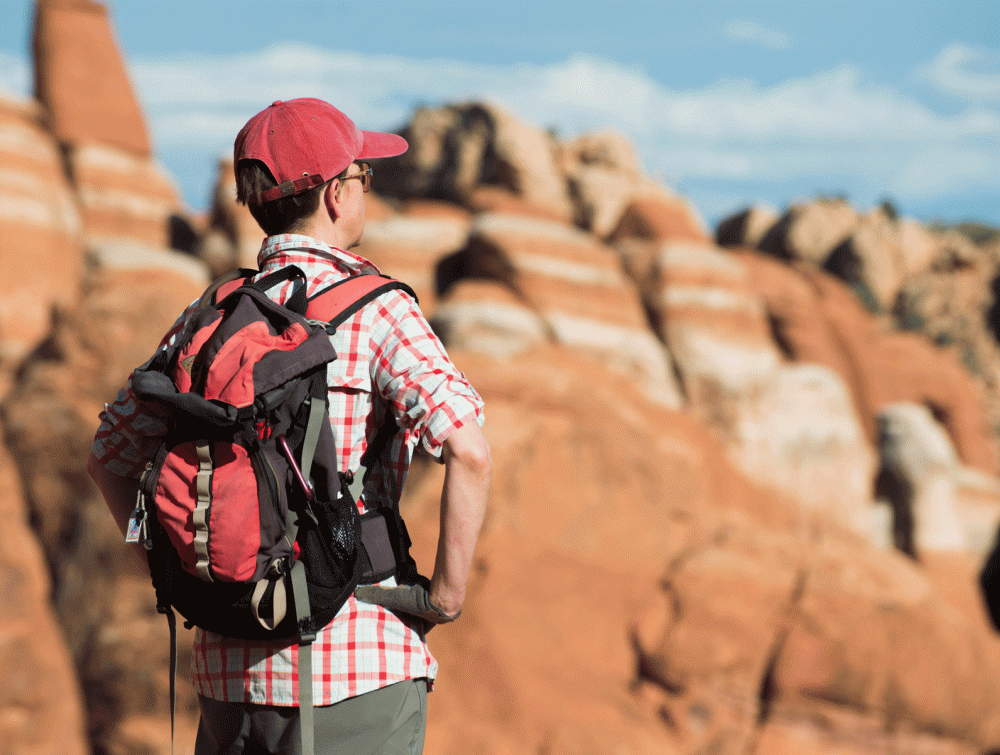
(388, 721)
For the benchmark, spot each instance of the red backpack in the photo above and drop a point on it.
(251, 530)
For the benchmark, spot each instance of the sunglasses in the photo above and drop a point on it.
(365, 176)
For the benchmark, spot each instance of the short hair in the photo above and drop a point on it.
(283, 215)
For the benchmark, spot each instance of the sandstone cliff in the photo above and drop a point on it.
(743, 481)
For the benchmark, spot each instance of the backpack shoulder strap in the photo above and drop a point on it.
(335, 303)
(224, 286)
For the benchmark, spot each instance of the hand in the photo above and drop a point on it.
(410, 599)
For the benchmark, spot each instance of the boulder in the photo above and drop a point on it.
(457, 148)
(953, 302)
(939, 504)
(799, 325)
(489, 199)
(714, 326)
(918, 465)
(486, 317)
(39, 231)
(609, 150)
(870, 260)
(656, 216)
(892, 367)
(804, 438)
(604, 176)
(747, 227)
(810, 231)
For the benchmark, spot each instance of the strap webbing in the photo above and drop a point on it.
(303, 615)
(317, 413)
(200, 514)
(279, 602)
(172, 623)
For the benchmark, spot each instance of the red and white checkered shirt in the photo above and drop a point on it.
(388, 357)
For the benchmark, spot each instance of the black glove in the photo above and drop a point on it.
(411, 599)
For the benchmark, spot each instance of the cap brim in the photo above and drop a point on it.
(377, 144)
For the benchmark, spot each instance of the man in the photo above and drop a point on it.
(300, 168)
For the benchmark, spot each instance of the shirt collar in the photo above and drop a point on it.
(289, 248)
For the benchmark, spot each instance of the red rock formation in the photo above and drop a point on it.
(633, 590)
(898, 367)
(82, 83)
(674, 607)
(102, 596)
(41, 710)
(790, 427)
(81, 79)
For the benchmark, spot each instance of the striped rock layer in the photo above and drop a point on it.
(40, 246)
(122, 195)
(409, 247)
(792, 428)
(575, 285)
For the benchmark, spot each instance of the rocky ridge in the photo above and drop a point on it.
(744, 480)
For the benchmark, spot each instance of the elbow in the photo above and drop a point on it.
(477, 458)
(481, 460)
(468, 449)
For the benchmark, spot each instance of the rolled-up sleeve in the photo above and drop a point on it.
(428, 395)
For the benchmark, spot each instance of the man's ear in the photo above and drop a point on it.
(331, 198)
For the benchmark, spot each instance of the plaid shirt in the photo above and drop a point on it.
(388, 358)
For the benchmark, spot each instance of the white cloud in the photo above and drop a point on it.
(754, 33)
(832, 131)
(965, 71)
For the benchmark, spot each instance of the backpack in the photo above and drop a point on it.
(251, 530)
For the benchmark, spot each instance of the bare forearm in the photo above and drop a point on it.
(463, 508)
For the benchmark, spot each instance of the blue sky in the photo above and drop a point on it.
(730, 103)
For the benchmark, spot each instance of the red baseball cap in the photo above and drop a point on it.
(306, 142)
